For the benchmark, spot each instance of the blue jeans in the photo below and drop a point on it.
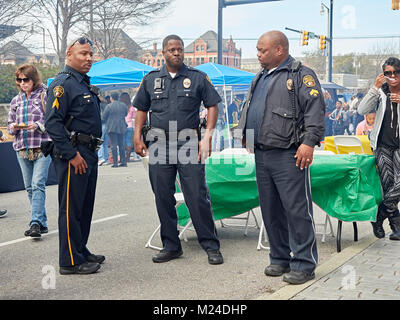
(35, 174)
(218, 137)
(128, 137)
(103, 151)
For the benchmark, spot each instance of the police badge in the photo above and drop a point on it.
(187, 83)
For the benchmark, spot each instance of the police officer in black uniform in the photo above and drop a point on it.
(74, 124)
(284, 114)
(173, 95)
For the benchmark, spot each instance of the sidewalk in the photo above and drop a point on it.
(368, 270)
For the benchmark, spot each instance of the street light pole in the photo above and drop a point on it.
(220, 7)
(330, 35)
(330, 52)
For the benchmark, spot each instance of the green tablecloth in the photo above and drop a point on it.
(347, 187)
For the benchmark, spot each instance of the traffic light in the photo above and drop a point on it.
(304, 38)
(395, 4)
(322, 42)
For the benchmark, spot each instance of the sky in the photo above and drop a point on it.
(245, 23)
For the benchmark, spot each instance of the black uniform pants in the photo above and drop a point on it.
(193, 183)
(76, 195)
(286, 206)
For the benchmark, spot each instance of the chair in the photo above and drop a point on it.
(348, 142)
(179, 201)
(263, 232)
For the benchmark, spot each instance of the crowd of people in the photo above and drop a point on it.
(343, 118)
(118, 123)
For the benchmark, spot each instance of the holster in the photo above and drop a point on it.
(47, 147)
(145, 130)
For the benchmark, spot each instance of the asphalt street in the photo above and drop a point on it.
(124, 218)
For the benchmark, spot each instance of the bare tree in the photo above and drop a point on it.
(63, 15)
(106, 24)
(11, 9)
(10, 27)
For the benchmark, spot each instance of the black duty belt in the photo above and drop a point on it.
(262, 147)
(157, 132)
(91, 142)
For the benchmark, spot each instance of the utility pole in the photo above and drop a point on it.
(330, 39)
(223, 4)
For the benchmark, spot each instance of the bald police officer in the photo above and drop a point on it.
(74, 124)
(172, 95)
(284, 114)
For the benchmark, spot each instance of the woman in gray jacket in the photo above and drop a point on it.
(384, 98)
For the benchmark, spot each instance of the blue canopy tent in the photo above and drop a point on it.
(227, 77)
(117, 73)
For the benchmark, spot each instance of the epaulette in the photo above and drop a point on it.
(60, 80)
(152, 71)
(295, 66)
(194, 69)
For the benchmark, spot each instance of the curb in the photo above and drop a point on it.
(289, 291)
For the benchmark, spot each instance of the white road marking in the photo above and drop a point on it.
(3, 244)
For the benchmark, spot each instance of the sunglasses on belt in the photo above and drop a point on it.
(390, 73)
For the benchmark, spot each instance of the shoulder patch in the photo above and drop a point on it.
(309, 81)
(58, 91)
(209, 80)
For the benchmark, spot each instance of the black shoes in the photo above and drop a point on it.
(44, 229)
(298, 277)
(95, 258)
(84, 268)
(394, 223)
(34, 231)
(3, 213)
(377, 226)
(276, 270)
(165, 256)
(215, 257)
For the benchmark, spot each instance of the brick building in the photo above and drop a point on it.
(202, 50)
(153, 57)
(205, 49)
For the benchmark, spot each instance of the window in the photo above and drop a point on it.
(202, 60)
(158, 62)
